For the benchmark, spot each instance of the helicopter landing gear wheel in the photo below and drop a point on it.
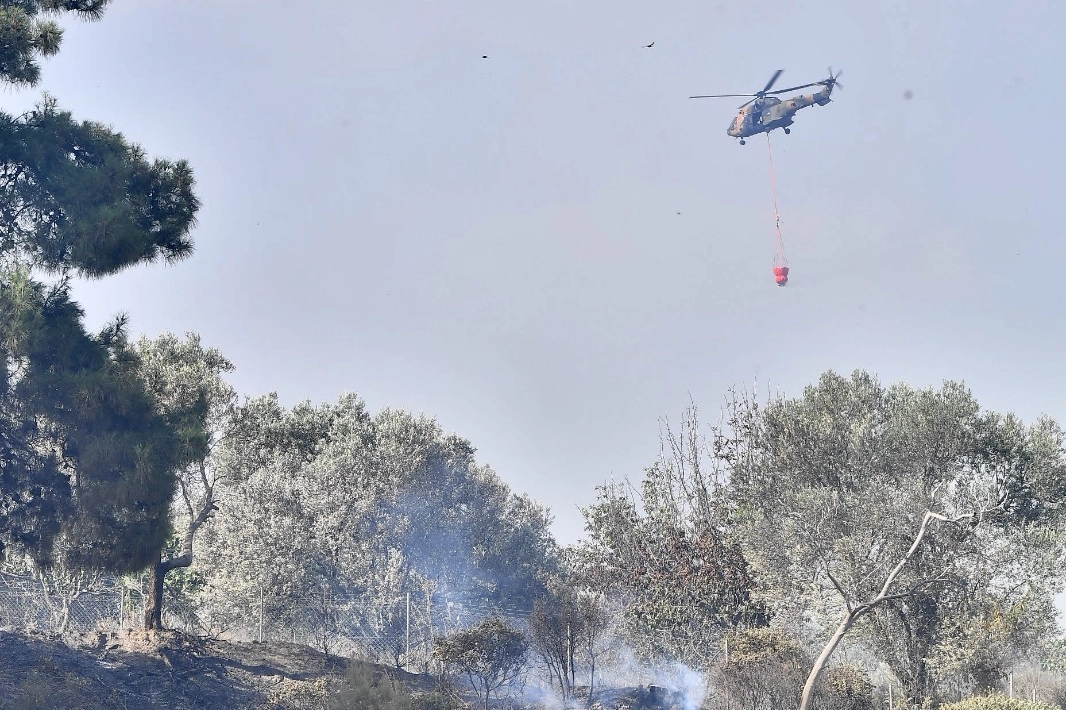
(742, 141)
(787, 131)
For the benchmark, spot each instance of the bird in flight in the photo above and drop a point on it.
(649, 46)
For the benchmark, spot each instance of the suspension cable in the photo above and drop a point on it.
(780, 260)
(773, 184)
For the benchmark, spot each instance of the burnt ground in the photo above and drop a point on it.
(165, 670)
(171, 670)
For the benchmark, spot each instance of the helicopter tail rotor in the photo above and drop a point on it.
(832, 83)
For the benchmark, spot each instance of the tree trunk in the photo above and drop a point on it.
(819, 664)
(853, 614)
(592, 677)
(153, 612)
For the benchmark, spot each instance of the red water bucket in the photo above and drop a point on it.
(781, 275)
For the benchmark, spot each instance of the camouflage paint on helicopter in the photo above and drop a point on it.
(765, 112)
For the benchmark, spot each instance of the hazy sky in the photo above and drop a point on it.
(552, 248)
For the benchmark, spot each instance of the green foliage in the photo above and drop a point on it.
(369, 505)
(83, 453)
(489, 656)
(845, 687)
(685, 584)
(107, 480)
(984, 635)
(1053, 656)
(25, 36)
(76, 196)
(186, 381)
(996, 702)
(757, 646)
(831, 489)
(764, 670)
(664, 550)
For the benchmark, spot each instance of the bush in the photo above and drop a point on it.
(845, 687)
(362, 689)
(297, 695)
(765, 670)
(1056, 691)
(436, 701)
(489, 656)
(996, 702)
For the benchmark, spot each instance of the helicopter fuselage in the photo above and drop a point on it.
(766, 113)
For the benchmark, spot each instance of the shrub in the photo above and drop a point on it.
(765, 670)
(296, 695)
(845, 687)
(362, 689)
(996, 702)
(490, 656)
(436, 701)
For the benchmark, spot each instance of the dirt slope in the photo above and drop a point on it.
(169, 670)
(137, 670)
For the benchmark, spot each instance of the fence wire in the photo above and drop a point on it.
(398, 632)
(32, 610)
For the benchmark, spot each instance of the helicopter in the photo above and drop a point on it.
(765, 112)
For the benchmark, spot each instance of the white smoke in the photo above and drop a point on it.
(691, 684)
(624, 671)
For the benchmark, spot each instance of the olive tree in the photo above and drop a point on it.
(856, 498)
(186, 379)
(364, 508)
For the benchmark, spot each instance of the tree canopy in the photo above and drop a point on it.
(85, 454)
(666, 551)
(370, 507)
(186, 380)
(27, 34)
(924, 527)
(896, 507)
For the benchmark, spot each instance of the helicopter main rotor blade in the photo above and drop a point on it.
(794, 88)
(720, 96)
(772, 80)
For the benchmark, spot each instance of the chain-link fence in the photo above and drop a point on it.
(399, 632)
(32, 609)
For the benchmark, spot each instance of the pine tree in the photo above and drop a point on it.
(84, 453)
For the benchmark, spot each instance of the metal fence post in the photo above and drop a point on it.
(260, 613)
